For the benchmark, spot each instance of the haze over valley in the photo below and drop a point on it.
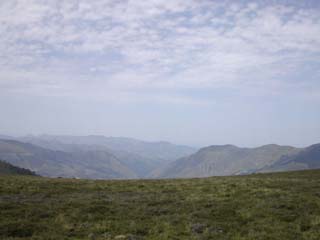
(99, 157)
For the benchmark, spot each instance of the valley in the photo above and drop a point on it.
(100, 157)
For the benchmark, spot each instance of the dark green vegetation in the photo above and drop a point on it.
(259, 206)
(8, 169)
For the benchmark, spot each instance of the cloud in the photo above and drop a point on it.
(127, 46)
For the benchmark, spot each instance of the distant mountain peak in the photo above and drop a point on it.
(92, 156)
(220, 147)
(217, 160)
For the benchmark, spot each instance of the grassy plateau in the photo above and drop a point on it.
(259, 206)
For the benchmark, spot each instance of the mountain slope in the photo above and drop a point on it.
(308, 158)
(224, 160)
(9, 169)
(139, 156)
(81, 164)
(153, 151)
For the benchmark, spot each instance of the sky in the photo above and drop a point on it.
(196, 72)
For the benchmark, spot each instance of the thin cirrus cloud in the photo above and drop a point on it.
(133, 48)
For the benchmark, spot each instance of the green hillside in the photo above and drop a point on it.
(308, 158)
(224, 160)
(259, 206)
(8, 169)
(91, 157)
(80, 164)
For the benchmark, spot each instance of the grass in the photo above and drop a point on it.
(260, 206)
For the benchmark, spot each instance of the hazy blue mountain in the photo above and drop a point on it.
(155, 151)
(6, 137)
(308, 158)
(109, 157)
(142, 166)
(224, 160)
(139, 164)
(81, 164)
(140, 156)
(9, 169)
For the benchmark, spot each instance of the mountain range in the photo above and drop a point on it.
(89, 156)
(308, 158)
(231, 160)
(100, 157)
(46, 162)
